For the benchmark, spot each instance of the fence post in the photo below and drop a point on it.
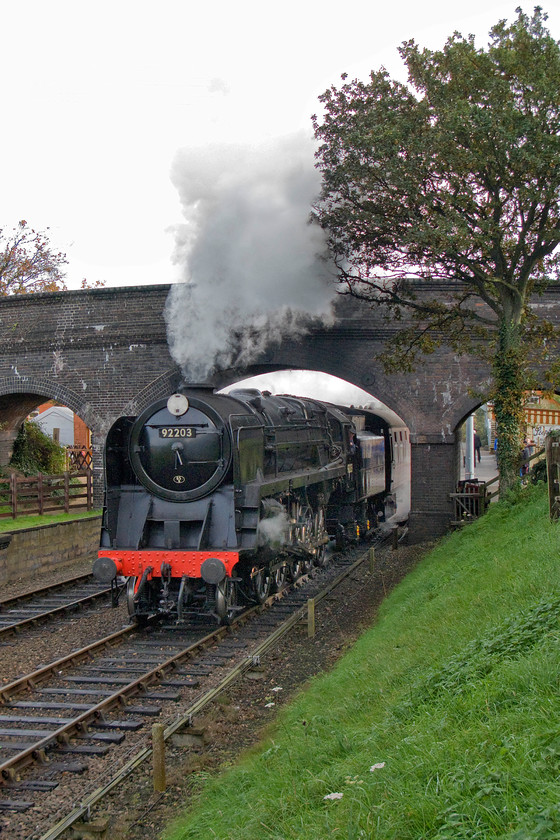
(13, 494)
(158, 757)
(552, 446)
(66, 492)
(40, 494)
(89, 485)
(311, 618)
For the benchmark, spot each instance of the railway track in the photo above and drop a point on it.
(88, 716)
(47, 602)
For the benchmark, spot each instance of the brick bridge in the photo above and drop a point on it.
(103, 353)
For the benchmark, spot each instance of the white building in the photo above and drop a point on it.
(58, 423)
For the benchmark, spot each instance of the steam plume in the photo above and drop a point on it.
(253, 269)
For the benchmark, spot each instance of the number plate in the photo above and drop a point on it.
(177, 432)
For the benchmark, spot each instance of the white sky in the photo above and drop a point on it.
(99, 97)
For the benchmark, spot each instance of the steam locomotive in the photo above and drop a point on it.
(213, 500)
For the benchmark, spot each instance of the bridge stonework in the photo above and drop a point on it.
(103, 353)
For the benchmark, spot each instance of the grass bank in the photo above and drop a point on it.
(21, 522)
(442, 722)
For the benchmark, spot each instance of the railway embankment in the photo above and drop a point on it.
(26, 553)
(441, 721)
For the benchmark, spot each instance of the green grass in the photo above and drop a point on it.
(9, 524)
(454, 690)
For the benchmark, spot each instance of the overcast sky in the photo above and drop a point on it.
(98, 99)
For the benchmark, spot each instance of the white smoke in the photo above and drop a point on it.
(254, 270)
(274, 531)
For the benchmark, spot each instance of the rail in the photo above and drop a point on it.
(40, 494)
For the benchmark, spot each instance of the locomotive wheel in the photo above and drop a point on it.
(279, 577)
(130, 586)
(340, 538)
(320, 556)
(300, 567)
(132, 607)
(226, 600)
(320, 534)
(307, 565)
(294, 570)
(262, 584)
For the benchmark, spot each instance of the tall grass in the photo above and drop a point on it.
(442, 722)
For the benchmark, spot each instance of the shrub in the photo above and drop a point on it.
(35, 452)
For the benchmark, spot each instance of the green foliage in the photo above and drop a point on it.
(441, 722)
(35, 452)
(453, 177)
(509, 397)
(538, 472)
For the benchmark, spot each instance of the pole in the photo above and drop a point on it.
(158, 757)
(311, 618)
(469, 448)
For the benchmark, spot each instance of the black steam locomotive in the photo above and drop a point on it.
(213, 500)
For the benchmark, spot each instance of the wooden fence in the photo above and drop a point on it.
(470, 501)
(40, 494)
(473, 496)
(78, 458)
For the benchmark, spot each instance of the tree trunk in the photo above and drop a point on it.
(509, 380)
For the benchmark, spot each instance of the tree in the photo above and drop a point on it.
(28, 263)
(453, 177)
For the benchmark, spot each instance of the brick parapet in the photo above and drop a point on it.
(49, 547)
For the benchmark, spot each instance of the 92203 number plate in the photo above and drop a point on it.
(177, 432)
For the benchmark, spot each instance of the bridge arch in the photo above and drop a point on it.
(104, 352)
(20, 395)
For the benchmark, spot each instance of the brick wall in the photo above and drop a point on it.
(434, 475)
(39, 549)
(103, 353)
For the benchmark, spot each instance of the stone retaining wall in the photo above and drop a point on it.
(31, 550)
